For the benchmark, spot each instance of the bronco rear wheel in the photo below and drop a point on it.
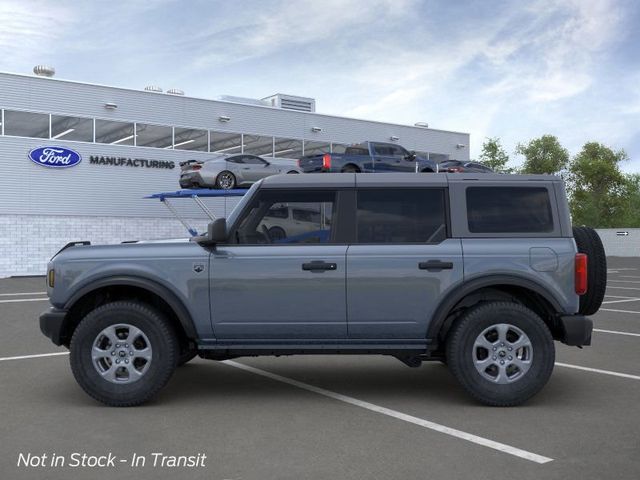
(123, 353)
(501, 352)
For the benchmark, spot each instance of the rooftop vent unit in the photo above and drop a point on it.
(175, 91)
(153, 88)
(44, 71)
(291, 102)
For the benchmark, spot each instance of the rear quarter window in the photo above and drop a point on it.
(509, 210)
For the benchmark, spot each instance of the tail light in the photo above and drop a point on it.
(196, 167)
(581, 274)
(326, 161)
(455, 169)
(299, 163)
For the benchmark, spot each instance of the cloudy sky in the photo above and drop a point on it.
(515, 70)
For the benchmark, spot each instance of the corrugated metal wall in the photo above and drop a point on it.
(620, 242)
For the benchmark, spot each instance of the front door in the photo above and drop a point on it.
(277, 281)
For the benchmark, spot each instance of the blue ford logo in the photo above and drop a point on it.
(55, 157)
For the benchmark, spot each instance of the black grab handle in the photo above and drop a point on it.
(435, 265)
(319, 266)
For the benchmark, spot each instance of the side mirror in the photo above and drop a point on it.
(411, 157)
(216, 233)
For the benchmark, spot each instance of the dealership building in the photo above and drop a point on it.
(127, 144)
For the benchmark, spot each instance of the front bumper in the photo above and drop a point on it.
(52, 323)
(575, 330)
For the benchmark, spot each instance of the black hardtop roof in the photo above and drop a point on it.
(319, 180)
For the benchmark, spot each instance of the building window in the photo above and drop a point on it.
(257, 145)
(316, 148)
(71, 128)
(157, 136)
(26, 124)
(191, 139)
(115, 133)
(287, 148)
(224, 142)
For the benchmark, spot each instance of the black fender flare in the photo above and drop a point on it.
(461, 291)
(178, 307)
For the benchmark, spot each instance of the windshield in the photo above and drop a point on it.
(231, 219)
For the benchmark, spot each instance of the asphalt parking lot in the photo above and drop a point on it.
(317, 417)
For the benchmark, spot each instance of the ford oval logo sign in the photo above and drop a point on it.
(55, 157)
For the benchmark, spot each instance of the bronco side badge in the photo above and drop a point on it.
(198, 267)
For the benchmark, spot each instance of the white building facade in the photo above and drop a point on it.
(129, 144)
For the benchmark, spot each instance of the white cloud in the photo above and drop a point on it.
(29, 29)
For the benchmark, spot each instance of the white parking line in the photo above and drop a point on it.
(24, 357)
(618, 311)
(621, 301)
(485, 442)
(629, 276)
(18, 300)
(25, 293)
(624, 281)
(622, 288)
(597, 370)
(616, 332)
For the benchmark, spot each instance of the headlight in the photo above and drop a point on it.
(51, 278)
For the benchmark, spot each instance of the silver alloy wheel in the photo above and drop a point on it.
(502, 353)
(121, 353)
(225, 180)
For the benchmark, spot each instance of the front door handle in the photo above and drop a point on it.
(319, 266)
(435, 265)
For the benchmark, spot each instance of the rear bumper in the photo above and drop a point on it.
(575, 330)
(52, 324)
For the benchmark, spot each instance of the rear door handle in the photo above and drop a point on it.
(319, 266)
(435, 265)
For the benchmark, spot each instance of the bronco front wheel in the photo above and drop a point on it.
(123, 353)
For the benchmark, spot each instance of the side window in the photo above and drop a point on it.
(401, 216)
(252, 160)
(267, 221)
(398, 151)
(238, 159)
(509, 210)
(385, 150)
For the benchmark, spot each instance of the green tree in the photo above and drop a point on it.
(543, 155)
(494, 156)
(600, 192)
(631, 216)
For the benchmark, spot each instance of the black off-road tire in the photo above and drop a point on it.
(161, 336)
(460, 353)
(588, 242)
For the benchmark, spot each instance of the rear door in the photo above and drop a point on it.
(402, 262)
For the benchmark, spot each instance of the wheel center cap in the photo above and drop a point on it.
(503, 353)
(122, 353)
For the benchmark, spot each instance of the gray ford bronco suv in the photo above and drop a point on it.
(479, 271)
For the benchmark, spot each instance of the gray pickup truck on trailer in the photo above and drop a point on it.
(482, 272)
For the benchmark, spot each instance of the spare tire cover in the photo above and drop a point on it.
(588, 242)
